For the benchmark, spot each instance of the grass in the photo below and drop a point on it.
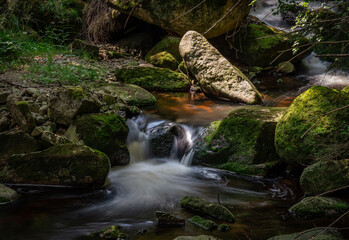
(38, 57)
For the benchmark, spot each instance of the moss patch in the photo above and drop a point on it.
(112, 232)
(153, 79)
(327, 140)
(203, 223)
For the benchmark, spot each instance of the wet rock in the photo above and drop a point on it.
(216, 76)
(165, 53)
(68, 164)
(104, 132)
(113, 232)
(49, 139)
(38, 131)
(223, 227)
(21, 113)
(39, 120)
(4, 124)
(325, 176)
(320, 233)
(131, 94)
(153, 79)
(259, 44)
(319, 207)
(161, 140)
(7, 194)
(66, 104)
(203, 223)
(286, 68)
(132, 111)
(201, 237)
(80, 46)
(201, 205)
(16, 142)
(328, 139)
(169, 14)
(167, 219)
(243, 142)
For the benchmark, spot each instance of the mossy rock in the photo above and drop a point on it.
(165, 53)
(169, 14)
(259, 45)
(200, 237)
(131, 94)
(328, 139)
(68, 165)
(319, 207)
(311, 234)
(163, 60)
(203, 223)
(167, 219)
(242, 141)
(71, 101)
(104, 132)
(286, 68)
(7, 194)
(112, 232)
(21, 114)
(346, 89)
(153, 79)
(201, 205)
(325, 176)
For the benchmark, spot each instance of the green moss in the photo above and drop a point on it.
(76, 92)
(112, 232)
(23, 107)
(319, 206)
(201, 205)
(169, 45)
(346, 89)
(331, 132)
(109, 99)
(203, 223)
(153, 79)
(263, 37)
(163, 60)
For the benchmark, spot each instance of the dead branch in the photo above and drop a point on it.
(333, 55)
(224, 16)
(190, 10)
(129, 15)
(322, 116)
(332, 223)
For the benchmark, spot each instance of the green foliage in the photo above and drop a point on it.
(326, 24)
(203, 223)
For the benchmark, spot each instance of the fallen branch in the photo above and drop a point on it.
(322, 116)
(129, 15)
(224, 16)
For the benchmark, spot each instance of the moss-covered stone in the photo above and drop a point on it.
(203, 223)
(165, 53)
(169, 14)
(346, 89)
(21, 113)
(259, 45)
(328, 139)
(167, 219)
(68, 164)
(286, 67)
(68, 103)
(153, 79)
(325, 176)
(7, 194)
(113, 232)
(311, 234)
(104, 132)
(201, 205)
(131, 94)
(108, 99)
(242, 141)
(319, 207)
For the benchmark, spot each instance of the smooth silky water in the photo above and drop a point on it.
(148, 184)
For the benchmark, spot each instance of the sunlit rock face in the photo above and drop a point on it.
(183, 15)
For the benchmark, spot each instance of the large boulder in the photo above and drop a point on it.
(104, 132)
(7, 194)
(165, 53)
(201, 205)
(68, 165)
(325, 176)
(131, 94)
(242, 142)
(153, 79)
(311, 234)
(68, 103)
(308, 131)
(216, 76)
(182, 16)
(16, 142)
(21, 113)
(319, 207)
